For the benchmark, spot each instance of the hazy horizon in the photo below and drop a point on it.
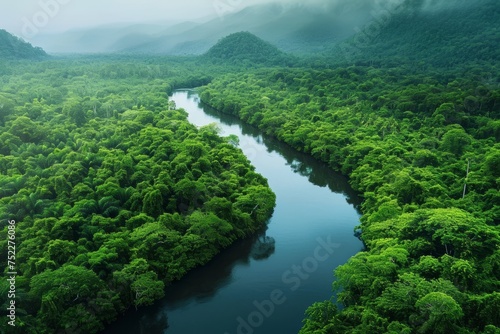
(40, 17)
(54, 16)
(50, 16)
(70, 26)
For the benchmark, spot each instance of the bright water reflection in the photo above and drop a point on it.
(264, 284)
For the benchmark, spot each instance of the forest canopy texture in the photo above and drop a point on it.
(115, 195)
(416, 127)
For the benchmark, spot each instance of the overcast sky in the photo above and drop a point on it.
(21, 17)
(25, 18)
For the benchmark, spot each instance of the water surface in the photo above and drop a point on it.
(262, 285)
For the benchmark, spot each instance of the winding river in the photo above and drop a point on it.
(264, 284)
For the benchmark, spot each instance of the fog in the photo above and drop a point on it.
(63, 15)
(30, 17)
(193, 26)
(49, 16)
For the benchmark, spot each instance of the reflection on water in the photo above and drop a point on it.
(263, 248)
(215, 275)
(313, 203)
(317, 173)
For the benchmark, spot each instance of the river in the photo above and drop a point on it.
(264, 284)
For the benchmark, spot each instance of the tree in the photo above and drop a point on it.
(448, 112)
(258, 201)
(320, 317)
(74, 109)
(61, 251)
(103, 261)
(456, 141)
(440, 313)
(147, 289)
(67, 290)
(492, 164)
(211, 228)
(452, 231)
(8, 143)
(6, 108)
(153, 203)
(25, 129)
(222, 207)
(408, 189)
(138, 283)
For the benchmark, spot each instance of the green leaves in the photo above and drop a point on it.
(73, 107)
(24, 128)
(320, 318)
(440, 313)
(116, 196)
(211, 228)
(65, 292)
(456, 141)
(147, 289)
(143, 284)
(403, 136)
(453, 232)
(153, 203)
(258, 202)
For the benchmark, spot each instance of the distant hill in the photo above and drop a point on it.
(12, 47)
(446, 34)
(294, 27)
(107, 38)
(244, 47)
(348, 30)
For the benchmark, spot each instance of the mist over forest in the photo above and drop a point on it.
(292, 25)
(116, 211)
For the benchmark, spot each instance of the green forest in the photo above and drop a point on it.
(426, 160)
(13, 47)
(116, 195)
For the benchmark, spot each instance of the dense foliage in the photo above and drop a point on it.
(423, 150)
(12, 47)
(245, 49)
(444, 34)
(114, 193)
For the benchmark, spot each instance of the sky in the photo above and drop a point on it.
(24, 18)
(28, 18)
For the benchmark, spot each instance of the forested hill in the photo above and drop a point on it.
(245, 48)
(12, 47)
(411, 115)
(445, 34)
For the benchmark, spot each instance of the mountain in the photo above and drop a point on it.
(107, 38)
(444, 34)
(12, 47)
(291, 27)
(354, 30)
(245, 48)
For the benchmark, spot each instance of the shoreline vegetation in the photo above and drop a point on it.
(407, 142)
(114, 194)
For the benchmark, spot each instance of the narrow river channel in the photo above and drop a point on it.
(262, 285)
